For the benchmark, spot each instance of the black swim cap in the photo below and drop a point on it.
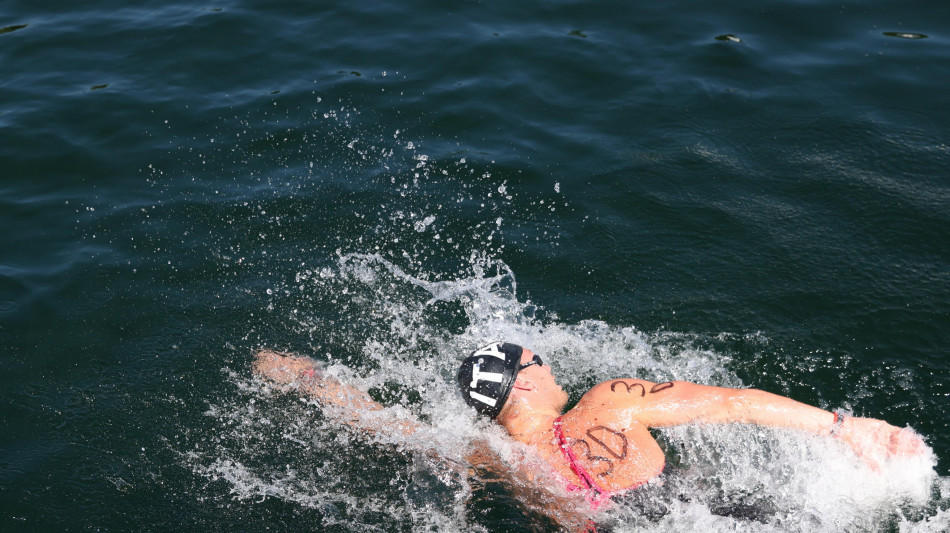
(487, 376)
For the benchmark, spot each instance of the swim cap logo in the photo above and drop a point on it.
(486, 376)
(478, 375)
(492, 349)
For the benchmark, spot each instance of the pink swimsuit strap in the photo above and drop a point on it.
(595, 494)
(577, 468)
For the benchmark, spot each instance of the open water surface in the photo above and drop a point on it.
(734, 193)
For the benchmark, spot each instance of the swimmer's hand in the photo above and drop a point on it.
(875, 441)
(284, 368)
(350, 405)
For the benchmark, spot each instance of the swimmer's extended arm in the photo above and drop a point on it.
(354, 406)
(677, 402)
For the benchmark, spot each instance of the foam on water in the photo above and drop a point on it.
(402, 343)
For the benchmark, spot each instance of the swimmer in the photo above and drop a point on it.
(602, 446)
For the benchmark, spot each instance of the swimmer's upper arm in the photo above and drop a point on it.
(678, 402)
(661, 404)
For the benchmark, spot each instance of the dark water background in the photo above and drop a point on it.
(769, 179)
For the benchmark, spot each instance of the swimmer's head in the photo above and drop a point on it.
(487, 376)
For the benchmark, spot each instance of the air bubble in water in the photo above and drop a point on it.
(424, 223)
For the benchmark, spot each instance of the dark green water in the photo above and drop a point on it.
(739, 194)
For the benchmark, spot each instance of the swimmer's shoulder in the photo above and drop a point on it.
(611, 391)
(629, 397)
